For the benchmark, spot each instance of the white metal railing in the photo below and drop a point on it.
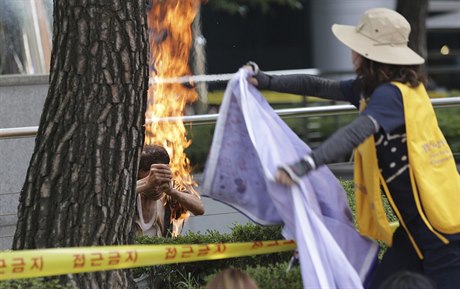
(327, 110)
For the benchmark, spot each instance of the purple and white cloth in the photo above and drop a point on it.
(250, 142)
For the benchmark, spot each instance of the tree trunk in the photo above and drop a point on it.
(415, 11)
(198, 55)
(80, 185)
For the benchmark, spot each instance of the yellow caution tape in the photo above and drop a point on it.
(51, 262)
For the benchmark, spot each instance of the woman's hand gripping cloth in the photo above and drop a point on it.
(250, 142)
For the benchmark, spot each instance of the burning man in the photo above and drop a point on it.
(161, 208)
(399, 148)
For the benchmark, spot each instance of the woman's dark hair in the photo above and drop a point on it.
(153, 154)
(231, 278)
(407, 280)
(372, 74)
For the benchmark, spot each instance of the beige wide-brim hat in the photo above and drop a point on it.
(381, 36)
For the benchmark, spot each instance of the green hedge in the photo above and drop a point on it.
(449, 122)
(269, 271)
(194, 274)
(34, 283)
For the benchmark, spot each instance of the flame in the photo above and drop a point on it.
(170, 37)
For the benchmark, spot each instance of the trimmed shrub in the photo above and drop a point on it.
(269, 271)
(193, 274)
(35, 283)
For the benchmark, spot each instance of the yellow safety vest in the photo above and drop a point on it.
(432, 169)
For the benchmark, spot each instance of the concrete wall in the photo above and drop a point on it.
(21, 99)
(329, 54)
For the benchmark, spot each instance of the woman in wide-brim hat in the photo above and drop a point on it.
(398, 145)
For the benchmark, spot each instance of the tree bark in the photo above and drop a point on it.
(80, 185)
(415, 11)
